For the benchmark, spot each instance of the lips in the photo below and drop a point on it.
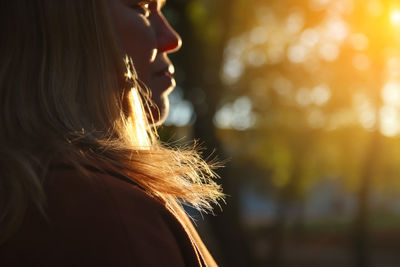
(163, 81)
(166, 71)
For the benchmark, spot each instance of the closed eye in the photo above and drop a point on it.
(143, 8)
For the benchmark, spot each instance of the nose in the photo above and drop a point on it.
(169, 40)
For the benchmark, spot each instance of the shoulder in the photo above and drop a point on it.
(101, 220)
(79, 191)
(122, 214)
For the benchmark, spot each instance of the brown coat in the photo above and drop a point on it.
(103, 221)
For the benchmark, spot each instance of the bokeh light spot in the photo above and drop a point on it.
(365, 110)
(321, 94)
(391, 93)
(256, 58)
(303, 97)
(359, 41)
(329, 51)
(181, 111)
(336, 29)
(374, 8)
(389, 121)
(318, 5)
(259, 35)
(343, 6)
(361, 62)
(393, 66)
(237, 115)
(309, 37)
(232, 71)
(297, 53)
(295, 22)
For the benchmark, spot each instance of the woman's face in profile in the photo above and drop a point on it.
(147, 37)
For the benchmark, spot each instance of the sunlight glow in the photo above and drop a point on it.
(395, 17)
(137, 123)
(154, 55)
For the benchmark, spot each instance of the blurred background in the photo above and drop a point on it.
(302, 97)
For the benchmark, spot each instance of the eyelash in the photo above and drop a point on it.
(143, 8)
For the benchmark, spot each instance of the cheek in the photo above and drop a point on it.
(137, 38)
(141, 56)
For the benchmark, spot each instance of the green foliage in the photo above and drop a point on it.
(208, 28)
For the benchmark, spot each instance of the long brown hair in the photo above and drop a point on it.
(68, 93)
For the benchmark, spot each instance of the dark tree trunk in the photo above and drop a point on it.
(361, 233)
(286, 199)
(202, 65)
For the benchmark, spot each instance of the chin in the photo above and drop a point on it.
(160, 112)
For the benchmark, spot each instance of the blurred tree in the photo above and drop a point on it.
(304, 90)
(205, 27)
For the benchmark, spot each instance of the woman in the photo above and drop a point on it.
(84, 180)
